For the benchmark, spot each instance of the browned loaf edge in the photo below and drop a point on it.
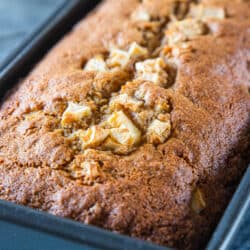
(137, 121)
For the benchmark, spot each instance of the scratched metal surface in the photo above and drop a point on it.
(19, 18)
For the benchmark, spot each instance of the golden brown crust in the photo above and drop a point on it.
(185, 120)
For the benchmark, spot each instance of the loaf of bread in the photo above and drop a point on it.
(137, 121)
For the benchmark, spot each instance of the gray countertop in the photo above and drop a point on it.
(19, 18)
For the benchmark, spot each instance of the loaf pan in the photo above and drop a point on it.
(25, 228)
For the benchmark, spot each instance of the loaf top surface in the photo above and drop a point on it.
(136, 121)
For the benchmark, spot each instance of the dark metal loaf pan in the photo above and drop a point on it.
(26, 228)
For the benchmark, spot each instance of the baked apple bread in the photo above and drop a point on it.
(137, 121)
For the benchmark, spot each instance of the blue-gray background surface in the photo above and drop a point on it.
(19, 18)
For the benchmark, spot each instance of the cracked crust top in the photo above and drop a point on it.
(140, 127)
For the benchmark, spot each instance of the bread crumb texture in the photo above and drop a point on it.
(137, 121)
